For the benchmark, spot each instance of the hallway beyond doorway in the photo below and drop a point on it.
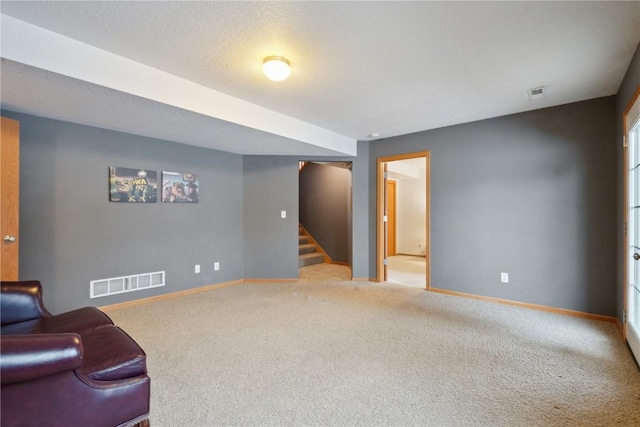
(407, 270)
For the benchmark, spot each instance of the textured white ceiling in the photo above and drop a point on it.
(357, 67)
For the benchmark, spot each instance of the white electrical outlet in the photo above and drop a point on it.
(504, 277)
(283, 214)
(216, 266)
(197, 269)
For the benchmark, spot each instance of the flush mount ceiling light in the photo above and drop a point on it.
(276, 68)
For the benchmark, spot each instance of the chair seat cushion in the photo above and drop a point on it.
(110, 354)
(76, 321)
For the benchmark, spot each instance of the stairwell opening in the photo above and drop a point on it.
(325, 213)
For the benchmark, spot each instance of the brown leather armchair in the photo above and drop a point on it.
(71, 369)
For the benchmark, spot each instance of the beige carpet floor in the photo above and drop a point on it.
(407, 270)
(359, 353)
(324, 273)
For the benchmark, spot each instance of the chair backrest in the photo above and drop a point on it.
(21, 301)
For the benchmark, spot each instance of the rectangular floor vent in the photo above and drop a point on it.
(120, 285)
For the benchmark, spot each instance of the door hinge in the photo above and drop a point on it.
(624, 141)
(385, 175)
(624, 229)
(384, 218)
(624, 316)
(385, 261)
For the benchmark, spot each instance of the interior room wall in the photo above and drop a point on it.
(70, 233)
(270, 242)
(363, 216)
(68, 244)
(567, 143)
(325, 198)
(530, 194)
(628, 87)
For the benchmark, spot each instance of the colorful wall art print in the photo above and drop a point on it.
(132, 185)
(180, 187)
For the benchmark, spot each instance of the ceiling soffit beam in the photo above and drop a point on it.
(35, 46)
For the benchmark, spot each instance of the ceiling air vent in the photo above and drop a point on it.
(537, 93)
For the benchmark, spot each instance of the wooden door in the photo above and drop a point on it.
(9, 197)
(385, 207)
(391, 218)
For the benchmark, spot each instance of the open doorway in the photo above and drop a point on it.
(325, 216)
(403, 238)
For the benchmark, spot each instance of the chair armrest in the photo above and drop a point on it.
(70, 399)
(21, 301)
(27, 357)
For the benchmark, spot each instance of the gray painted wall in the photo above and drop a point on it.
(324, 194)
(270, 242)
(70, 233)
(271, 185)
(628, 87)
(363, 216)
(531, 194)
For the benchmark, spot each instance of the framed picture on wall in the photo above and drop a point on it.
(180, 187)
(132, 185)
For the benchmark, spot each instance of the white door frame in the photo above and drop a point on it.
(631, 332)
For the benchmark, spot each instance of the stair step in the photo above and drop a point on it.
(303, 240)
(310, 259)
(306, 248)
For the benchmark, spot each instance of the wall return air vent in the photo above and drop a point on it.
(120, 285)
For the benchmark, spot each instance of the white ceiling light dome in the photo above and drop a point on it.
(276, 68)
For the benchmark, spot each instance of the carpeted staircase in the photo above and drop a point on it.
(308, 253)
